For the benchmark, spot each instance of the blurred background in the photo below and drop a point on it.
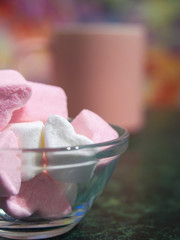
(125, 60)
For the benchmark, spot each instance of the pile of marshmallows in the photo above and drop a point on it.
(32, 116)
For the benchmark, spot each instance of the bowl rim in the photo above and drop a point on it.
(121, 140)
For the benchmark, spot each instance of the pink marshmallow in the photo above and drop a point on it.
(40, 196)
(14, 94)
(45, 100)
(10, 164)
(91, 125)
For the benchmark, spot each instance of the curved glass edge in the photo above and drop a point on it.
(121, 140)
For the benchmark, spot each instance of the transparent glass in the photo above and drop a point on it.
(80, 171)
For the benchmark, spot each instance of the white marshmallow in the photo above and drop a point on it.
(75, 166)
(70, 191)
(30, 135)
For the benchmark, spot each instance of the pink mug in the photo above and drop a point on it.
(100, 67)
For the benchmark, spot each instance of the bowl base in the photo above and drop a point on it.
(35, 233)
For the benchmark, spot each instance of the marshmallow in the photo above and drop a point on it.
(70, 191)
(91, 125)
(45, 100)
(10, 164)
(40, 196)
(30, 135)
(76, 165)
(97, 129)
(14, 94)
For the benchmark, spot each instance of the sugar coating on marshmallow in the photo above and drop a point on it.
(74, 166)
(58, 132)
(30, 135)
(45, 100)
(91, 125)
(40, 195)
(10, 164)
(14, 94)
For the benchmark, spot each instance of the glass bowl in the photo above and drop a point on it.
(61, 190)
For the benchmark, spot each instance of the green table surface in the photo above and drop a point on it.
(142, 199)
